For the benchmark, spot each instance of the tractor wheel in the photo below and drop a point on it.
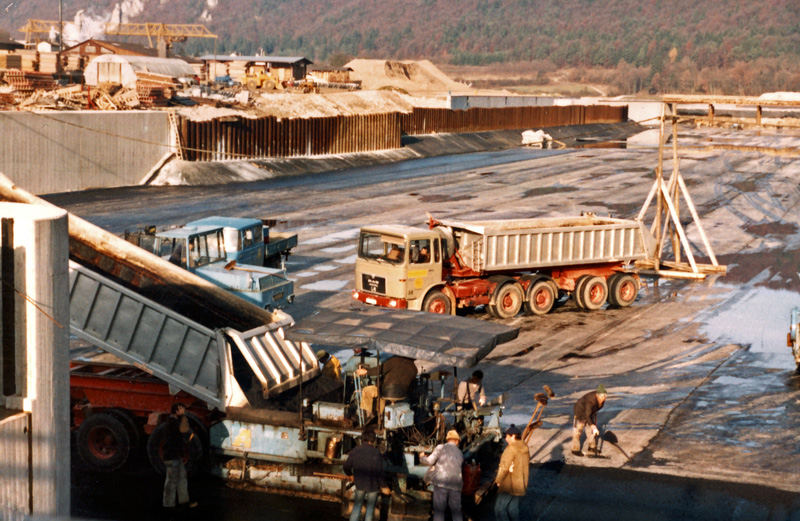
(507, 300)
(540, 298)
(103, 442)
(252, 85)
(437, 302)
(622, 289)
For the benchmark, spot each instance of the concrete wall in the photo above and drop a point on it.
(34, 404)
(52, 152)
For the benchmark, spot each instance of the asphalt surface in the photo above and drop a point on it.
(703, 393)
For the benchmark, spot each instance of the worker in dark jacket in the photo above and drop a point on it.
(397, 374)
(512, 476)
(365, 464)
(176, 435)
(586, 419)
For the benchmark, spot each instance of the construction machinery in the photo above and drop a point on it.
(503, 265)
(792, 338)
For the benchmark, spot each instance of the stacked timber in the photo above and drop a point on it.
(10, 61)
(237, 71)
(73, 62)
(30, 60)
(48, 62)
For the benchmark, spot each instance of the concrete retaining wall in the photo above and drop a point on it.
(54, 152)
(496, 102)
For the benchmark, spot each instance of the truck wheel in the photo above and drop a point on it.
(622, 289)
(576, 294)
(252, 85)
(508, 300)
(193, 455)
(103, 442)
(135, 432)
(541, 298)
(594, 293)
(437, 302)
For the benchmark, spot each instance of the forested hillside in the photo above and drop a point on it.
(690, 45)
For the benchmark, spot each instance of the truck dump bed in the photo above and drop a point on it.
(488, 246)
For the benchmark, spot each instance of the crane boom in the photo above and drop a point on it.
(166, 32)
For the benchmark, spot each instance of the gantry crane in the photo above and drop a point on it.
(164, 34)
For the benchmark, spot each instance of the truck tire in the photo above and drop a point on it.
(135, 432)
(437, 302)
(594, 293)
(507, 300)
(252, 85)
(540, 298)
(622, 289)
(103, 442)
(194, 453)
(576, 294)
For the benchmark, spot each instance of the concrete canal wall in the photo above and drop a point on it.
(53, 152)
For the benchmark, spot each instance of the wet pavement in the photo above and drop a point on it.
(703, 393)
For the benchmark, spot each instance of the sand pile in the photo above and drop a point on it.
(411, 76)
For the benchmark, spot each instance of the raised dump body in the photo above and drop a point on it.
(523, 244)
(504, 265)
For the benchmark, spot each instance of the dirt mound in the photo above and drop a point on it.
(286, 105)
(411, 76)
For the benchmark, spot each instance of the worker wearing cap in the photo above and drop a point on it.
(331, 367)
(446, 460)
(512, 476)
(586, 419)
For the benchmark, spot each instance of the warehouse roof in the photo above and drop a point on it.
(272, 59)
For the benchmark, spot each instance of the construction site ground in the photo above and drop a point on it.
(703, 393)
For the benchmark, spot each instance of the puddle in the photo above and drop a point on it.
(444, 198)
(775, 269)
(771, 228)
(546, 190)
(759, 318)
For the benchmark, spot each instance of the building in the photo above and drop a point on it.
(329, 74)
(125, 69)
(281, 68)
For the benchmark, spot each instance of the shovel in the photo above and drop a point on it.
(611, 438)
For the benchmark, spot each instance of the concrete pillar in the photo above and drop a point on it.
(41, 347)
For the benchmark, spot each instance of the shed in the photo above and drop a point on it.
(330, 74)
(123, 70)
(284, 68)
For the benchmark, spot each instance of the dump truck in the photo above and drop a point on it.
(502, 265)
(792, 338)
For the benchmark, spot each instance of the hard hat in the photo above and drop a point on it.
(321, 354)
(453, 435)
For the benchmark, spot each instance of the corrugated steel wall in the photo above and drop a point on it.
(242, 138)
(63, 151)
(426, 121)
(15, 491)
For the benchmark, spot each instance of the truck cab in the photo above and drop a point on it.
(398, 266)
(202, 250)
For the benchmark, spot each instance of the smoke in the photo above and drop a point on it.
(88, 25)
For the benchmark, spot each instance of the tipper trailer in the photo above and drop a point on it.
(503, 265)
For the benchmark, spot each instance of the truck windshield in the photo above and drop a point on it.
(382, 247)
(202, 249)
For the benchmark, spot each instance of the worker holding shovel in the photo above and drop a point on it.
(586, 419)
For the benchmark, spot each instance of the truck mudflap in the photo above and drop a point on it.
(379, 300)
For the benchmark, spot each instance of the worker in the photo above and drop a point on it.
(397, 374)
(512, 476)
(395, 253)
(586, 419)
(177, 435)
(365, 464)
(424, 255)
(445, 476)
(467, 391)
(330, 365)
